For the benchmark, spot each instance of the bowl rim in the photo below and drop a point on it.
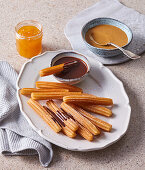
(73, 79)
(106, 24)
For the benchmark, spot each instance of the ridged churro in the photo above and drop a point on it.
(28, 91)
(88, 99)
(57, 68)
(51, 70)
(82, 131)
(55, 85)
(51, 95)
(67, 120)
(98, 122)
(69, 108)
(44, 115)
(95, 109)
(65, 129)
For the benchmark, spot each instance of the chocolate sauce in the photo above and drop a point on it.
(55, 117)
(59, 113)
(75, 71)
(67, 114)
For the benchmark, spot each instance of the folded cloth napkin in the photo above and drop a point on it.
(16, 136)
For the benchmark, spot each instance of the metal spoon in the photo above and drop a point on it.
(129, 54)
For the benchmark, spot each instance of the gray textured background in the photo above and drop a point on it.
(129, 152)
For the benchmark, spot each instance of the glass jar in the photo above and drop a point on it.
(29, 38)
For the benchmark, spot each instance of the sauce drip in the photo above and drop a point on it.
(106, 33)
(75, 71)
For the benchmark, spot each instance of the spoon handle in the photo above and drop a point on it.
(126, 52)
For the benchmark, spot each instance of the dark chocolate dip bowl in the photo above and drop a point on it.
(74, 74)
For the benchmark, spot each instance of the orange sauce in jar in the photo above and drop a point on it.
(29, 38)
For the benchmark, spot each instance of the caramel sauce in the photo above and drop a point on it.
(106, 33)
(76, 71)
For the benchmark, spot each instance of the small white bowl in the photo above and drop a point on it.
(71, 54)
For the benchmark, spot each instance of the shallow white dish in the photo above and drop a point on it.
(100, 81)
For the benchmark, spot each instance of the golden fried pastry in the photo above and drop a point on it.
(85, 98)
(68, 132)
(98, 122)
(96, 109)
(44, 115)
(55, 85)
(82, 131)
(58, 111)
(57, 68)
(28, 91)
(51, 70)
(65, 129)
(69, 108)
(51, 95)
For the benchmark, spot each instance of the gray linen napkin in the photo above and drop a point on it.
(16, 136)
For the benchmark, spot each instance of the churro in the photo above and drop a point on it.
(69, 108)
(66, 119)
(51, 70)
(69, 132)
(55, 85)
(88, 99)
(65, 129)
(28, 91)
(82, 131)
(44, 115)
(57, 68)
(51, 95)
(98, 122)
(96, 109)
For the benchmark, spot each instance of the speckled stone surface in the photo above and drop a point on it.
(129, 152)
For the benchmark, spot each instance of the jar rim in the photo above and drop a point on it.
(32, 22)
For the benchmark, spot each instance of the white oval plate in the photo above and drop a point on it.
(101, 82)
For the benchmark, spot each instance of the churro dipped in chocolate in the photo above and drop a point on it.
(58, 111)
(51, 95)
(56, 69)
(44, 115)
(65, 129)
(85, 98)
(98, 122)
(96, 109)
(69, 108)
(28, 91)
(55, 85)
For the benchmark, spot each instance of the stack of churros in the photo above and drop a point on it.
(73, 116)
